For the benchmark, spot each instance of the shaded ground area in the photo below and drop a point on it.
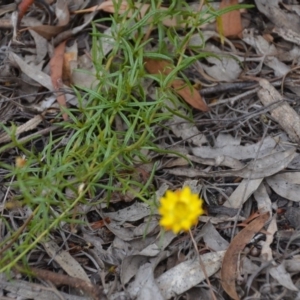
(106, 106)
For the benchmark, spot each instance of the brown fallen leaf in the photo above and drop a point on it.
(229, 265)
(56, 69)
(70, 63)
(46, 31)
(231, 21)
(190, 95)
(100, 223)
(22, 9)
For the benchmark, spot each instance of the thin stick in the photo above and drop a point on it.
(203, 267)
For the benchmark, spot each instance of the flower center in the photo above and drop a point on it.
(180, 210)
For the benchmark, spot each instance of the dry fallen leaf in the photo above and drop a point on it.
(284, 114)
(188, 274)
(190, 95)
(229, 265)
(70, 63)
(286, 185)
(66, 261)
(231, 21)
(47, 31)
(56, 67)
(22, 8)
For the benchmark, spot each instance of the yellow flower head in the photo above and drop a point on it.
(180, 210)
(20, 162)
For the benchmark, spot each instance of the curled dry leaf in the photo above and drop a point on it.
(229, 265)
(22, 8)
(190, 95)
(47, 31)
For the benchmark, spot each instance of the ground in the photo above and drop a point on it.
(149, 150)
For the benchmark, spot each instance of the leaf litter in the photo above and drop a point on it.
(238, 149)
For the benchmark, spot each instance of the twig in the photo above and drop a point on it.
(213, 297)
(60, 279)
(29, 137)
(248, 180)
(17, 233)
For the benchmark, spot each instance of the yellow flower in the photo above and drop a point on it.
(180, 210)
(20, 162)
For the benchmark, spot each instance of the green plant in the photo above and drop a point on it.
(98, 154)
